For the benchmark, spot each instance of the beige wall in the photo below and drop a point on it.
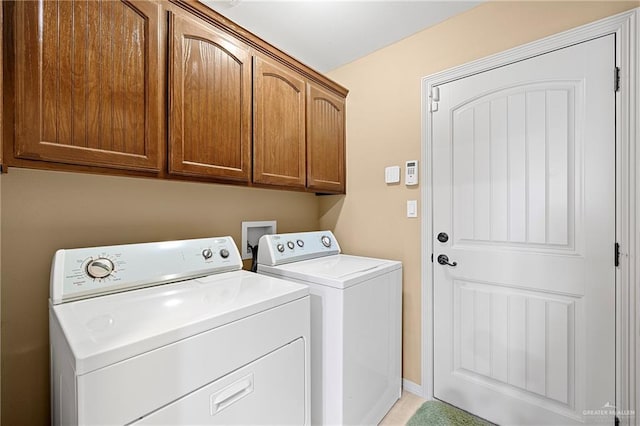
(383, 129)
(43, 211)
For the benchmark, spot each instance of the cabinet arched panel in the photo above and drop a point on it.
(325, 141)
(279, 120)
(86, 83)
(210, 103)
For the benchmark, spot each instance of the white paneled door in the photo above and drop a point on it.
(524, 188)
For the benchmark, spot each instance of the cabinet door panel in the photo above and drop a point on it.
(1, 87)
(325, 141)
(279, 125)
(87, 83)
(210, 103)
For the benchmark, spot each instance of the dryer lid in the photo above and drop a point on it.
(108, 329)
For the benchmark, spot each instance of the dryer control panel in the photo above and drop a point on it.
(286, 248)
(87, 272)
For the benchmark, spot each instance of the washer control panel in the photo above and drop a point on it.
(286, 248)
(88, 272)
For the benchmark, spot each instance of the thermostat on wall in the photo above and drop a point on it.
(411, 177)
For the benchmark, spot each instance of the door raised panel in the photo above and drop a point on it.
(519, 341)
(325, 140)
(514, 184)
(210, 102)
(87, 87)
(279, 125)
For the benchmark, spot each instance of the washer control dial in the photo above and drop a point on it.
(207, 254)
(224, 253)
(300, 243)
(290, 244)
(100, 268)
(280, 247)
(326, 241)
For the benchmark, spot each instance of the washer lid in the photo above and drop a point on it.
(339, 271)
(108, 329)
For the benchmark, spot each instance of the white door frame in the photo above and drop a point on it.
(625, 27)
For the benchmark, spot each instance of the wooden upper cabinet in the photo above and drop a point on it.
(86, 86)
(87, 83)
(209, 102)
(325, 140)
(279, 125)
(2, 169)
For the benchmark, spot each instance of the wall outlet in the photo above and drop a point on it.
(251, 233)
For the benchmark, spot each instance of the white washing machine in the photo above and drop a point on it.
(175, 333)
(356, 324)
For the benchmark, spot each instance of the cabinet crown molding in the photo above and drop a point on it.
(206, 13)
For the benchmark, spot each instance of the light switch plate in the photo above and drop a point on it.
(412, 208)
(392, 174)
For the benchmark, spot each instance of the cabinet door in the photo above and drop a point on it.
(1, 86)
(279, 125)
(325, 141)
(210, 102)
(87, 83)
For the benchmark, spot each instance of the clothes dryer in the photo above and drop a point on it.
(175, 333)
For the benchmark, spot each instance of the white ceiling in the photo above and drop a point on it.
(326, 34)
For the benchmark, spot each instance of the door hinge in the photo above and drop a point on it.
(616, 421)
(435, 98)
(431, 257)
(617, 80)
(616, 255)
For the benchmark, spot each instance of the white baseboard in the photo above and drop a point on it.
(414, 388)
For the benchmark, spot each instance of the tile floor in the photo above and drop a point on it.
(402, 411)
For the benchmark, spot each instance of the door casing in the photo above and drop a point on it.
(625, 28)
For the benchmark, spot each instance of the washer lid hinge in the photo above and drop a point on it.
(617, 80)
(616, 255)
(616, 421)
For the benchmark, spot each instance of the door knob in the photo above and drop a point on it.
(443, 259)
(443, 237)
